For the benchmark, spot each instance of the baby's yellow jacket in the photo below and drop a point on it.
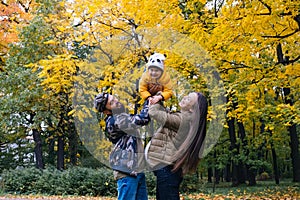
(164, 81)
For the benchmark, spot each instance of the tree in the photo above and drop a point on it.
(23, 110)
(14, 15)
(244, 38)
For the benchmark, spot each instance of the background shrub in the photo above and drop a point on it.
(191, 183)
(20, 181)
(76, 181)
(151, 183)
(50, 181)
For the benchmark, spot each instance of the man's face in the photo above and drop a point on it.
(114, 105)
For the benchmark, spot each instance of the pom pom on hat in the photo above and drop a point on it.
(159, 56)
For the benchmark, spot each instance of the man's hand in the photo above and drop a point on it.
(155, 99)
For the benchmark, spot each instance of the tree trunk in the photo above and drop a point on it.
(227, 174)
(231, 131)
(251, 173)
(235, 167)
(275, 166)
(209, 174)
(242, 168)
(242, 173)
(274, 158)
(234, 180)
(39, 163)
(60, 153)
(251, 176)
(246, 173)
(73, 143)
(217, 176)
(216, 171)
(38, 150)
(292, 129)
(51, 152)
(234, 173)
(295, 153)
(294, 144)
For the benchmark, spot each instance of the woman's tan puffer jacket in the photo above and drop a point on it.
(167, 139)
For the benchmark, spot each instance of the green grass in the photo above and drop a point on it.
(224, 187)
(261, 189)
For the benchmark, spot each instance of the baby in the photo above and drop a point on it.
(155, 83)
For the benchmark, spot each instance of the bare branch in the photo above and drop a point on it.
(2, 2)
(117, 28)
(23, 6)
(287, 62)
(281, 36)
(297, 19)
(295, 60)
(236, 65)
(267, 6)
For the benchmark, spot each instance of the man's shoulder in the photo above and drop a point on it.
(109, 118)
(121, 115)
(115, 116)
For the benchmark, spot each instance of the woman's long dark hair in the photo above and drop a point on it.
(192, 147)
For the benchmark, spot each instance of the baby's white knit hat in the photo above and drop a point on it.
(156, 60)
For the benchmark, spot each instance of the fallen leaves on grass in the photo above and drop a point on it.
(36, 197)
(290, 193)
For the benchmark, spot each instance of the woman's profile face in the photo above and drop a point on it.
(188, 101)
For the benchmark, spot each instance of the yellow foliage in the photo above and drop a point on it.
(71, 112)
(242, 38)
(57, 73)
(51, 42)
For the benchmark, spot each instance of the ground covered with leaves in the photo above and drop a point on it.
(267, 194)
(290, 193)
(266, 190)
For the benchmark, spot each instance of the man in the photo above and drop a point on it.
(127, 157)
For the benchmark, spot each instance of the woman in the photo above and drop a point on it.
(176, 147)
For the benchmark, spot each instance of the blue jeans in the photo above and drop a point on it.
(132, 188)
(167, 183)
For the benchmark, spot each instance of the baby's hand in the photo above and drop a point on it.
(150, 100)
(155, 99)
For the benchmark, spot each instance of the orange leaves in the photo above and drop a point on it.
(13, 16)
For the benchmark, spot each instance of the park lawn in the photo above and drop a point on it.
(265, 190)
(267, 194)
(290, 194)
(40, 197)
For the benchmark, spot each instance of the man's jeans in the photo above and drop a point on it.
(132, 188)
(167, 183)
